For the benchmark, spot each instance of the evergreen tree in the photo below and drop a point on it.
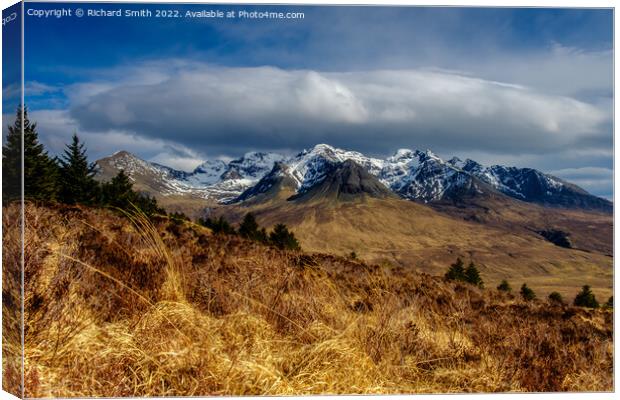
(77, 175)
(472, 275)
(218, 226)
(262, 236)
(283, 239)
(504, 286)
(249, 227)
(586, 298)
(555, 297)
(456, 271)
(147, 204)
(118, 192)
(610, 302)
(526, 293)
(40, 172)
(178, 217)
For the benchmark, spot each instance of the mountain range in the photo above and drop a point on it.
(412, 209)
(416, 175)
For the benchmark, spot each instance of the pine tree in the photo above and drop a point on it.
(118, 192)
(77, 175)
(504, 286)
(610, 302)
(526, 293)
(472, 275)
(249, 227)
(11, 162)
(218, 226)
(147, 204)
(262, 236)
(40, 173)
(456, 271)
(586, 298)
(283, 239)
(555, 297)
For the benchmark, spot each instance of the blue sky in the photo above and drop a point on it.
(526, 87)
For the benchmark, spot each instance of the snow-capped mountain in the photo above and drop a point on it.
(146, 175)
(418, 175)
(214, 179)
(271, 184)
(414, 175)
(310, 166)
(346, 180)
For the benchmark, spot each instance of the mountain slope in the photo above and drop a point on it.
(417, 236)
(212, 182)
(344, 181)
(146, 176)
(530, 185)
(278, 181)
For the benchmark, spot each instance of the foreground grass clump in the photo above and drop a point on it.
(119, 306)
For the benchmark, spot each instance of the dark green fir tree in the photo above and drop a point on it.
(472, 275)
(118, 192)
(77, 175)
(527, 294)
(456, 272)
(586, 298)
(283, 239)
(249, 227)
(40, 171)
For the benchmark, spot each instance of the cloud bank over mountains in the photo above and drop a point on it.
(375, 111)
(527, 87)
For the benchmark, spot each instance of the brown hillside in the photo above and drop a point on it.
(588, 230)
(121, 309)
(416, 236)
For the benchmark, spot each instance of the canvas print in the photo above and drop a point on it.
(204, 200)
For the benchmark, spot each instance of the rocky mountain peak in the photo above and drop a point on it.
(345, 181)
(414, 175)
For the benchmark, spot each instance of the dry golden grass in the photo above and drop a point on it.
(11, 303)
(120, 308)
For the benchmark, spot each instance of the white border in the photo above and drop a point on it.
(472, 3)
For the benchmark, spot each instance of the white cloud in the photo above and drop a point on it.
(183, 162)
(559, 70)
(205, 106)
(56, 127)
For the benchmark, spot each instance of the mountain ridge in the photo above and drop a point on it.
(411, 174)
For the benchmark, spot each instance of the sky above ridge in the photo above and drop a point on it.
(524, 87)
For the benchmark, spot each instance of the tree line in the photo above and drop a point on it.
(471, 275)
(279, 237)
(68, 178)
